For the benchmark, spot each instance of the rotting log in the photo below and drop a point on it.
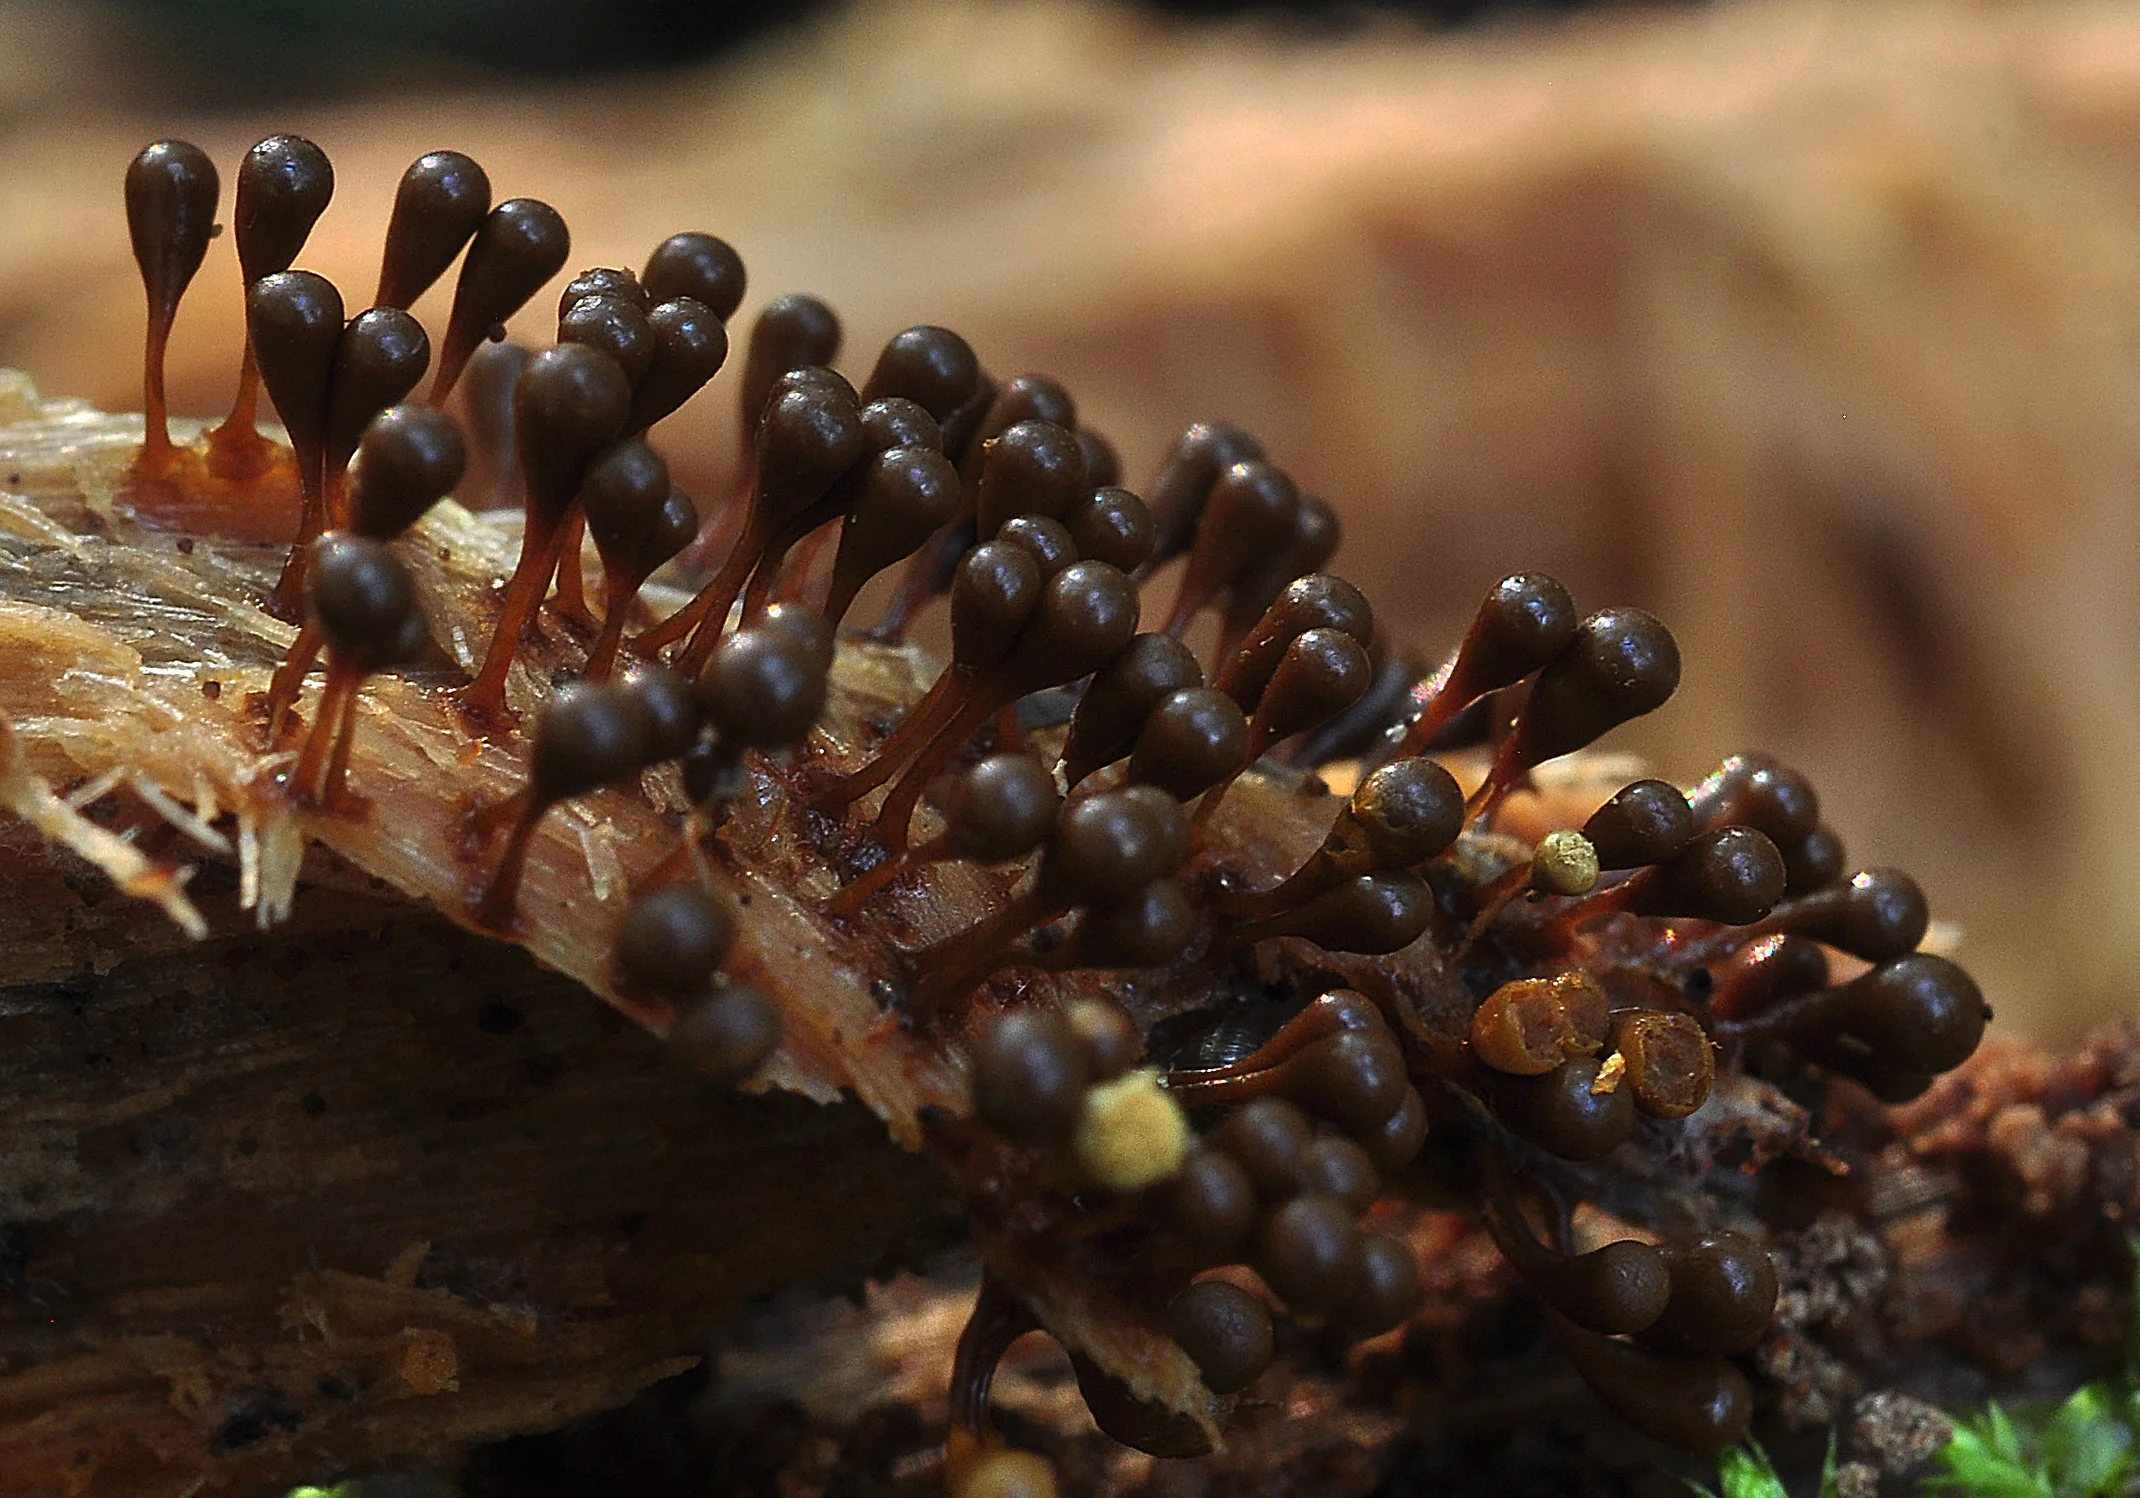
(134, 656)
(351, 1183)
(367, 1183)
(531, 1279)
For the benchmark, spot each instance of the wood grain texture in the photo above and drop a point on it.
(369, 1186)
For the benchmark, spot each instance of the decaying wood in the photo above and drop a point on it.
(347, 1182)
(133, 665)
(366, 1186)
(1621, 282)
(343, 1180)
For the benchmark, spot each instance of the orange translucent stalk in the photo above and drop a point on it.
(236, 450)
(482, 701)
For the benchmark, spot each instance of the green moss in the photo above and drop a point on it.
(1746, 1472)
(2086, 1447)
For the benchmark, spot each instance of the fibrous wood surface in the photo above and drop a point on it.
(332, 968)
(295, 1172)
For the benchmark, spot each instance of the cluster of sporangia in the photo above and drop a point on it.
(1609, 966)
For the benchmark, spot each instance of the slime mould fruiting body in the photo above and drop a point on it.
(1077, 914)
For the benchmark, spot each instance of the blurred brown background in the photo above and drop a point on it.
(1813, 326)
